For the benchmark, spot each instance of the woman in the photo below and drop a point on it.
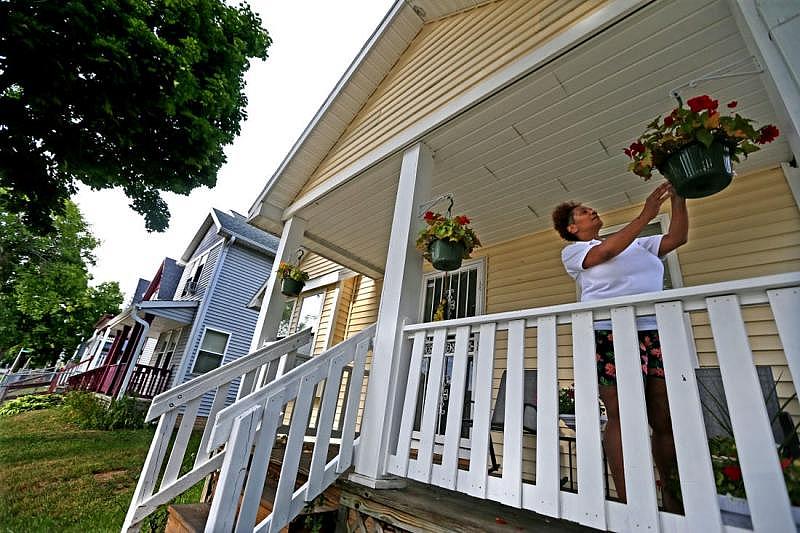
(621, 265)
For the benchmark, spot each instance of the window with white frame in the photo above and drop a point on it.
(193, 279)
(165, 348)
(310, 311)
(212, 351)
(466, 299)
(286, 318)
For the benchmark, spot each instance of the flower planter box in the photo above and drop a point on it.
(696, 171)
(736, 511)
(446, 255)
(291, 287)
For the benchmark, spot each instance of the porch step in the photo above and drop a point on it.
(187, 518)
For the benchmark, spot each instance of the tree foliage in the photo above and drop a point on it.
(46, 302)
(137, 94)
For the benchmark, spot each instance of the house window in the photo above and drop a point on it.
(310, 311)
(465, 288)
(192, 281)
(165, 348)
(286, 319)
(212, 350)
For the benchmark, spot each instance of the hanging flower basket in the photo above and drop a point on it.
(446, 255)
(696, 171)
(292, 279)
(446, 241)
(291, 287)
(694, 147)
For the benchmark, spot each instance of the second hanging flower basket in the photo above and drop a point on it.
(446, 241)
(694, 146)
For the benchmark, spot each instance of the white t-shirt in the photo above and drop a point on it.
(637, 269)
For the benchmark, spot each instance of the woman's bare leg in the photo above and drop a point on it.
(662, 441)
(612, 439)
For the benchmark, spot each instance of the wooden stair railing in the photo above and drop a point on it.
(185, 400)
(248, 428)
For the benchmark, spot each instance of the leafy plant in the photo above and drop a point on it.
(87, 411)
(440, 227)
(290, 271)
(725, 458)
(566, 401)
(699, 122)
(30, 402)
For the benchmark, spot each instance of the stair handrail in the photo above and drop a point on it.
(248, 427)
(185, 400)
(224, 420)
(185, 392)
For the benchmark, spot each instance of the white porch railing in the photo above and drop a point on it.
(248, 429)
(417, 458)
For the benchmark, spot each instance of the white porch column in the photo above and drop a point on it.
(775, 46)
(269, 317)
(399, 302)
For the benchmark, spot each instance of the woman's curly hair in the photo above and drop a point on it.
(562, 218)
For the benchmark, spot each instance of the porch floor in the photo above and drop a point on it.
(419, 507)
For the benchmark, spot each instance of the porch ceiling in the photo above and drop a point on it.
(556, 134)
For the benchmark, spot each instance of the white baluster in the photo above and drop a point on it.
(642, 508)
(483, 369)
(512, 430)
(763, 479)
(455, 409)
(421, 468)
(698, 488)
(548, 471)
(398, 464)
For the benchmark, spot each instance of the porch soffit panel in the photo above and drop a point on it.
(558, 134)
(445, 59)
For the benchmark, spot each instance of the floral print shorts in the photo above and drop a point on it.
(649, 350)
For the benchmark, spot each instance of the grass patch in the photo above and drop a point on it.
(57, 477)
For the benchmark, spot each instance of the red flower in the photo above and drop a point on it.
(428, 215)
(611, 370)
(635, 148)
(628, 152)
(785, 462)
(669, 121)
(463, 220)
(732, 104)
(732, 472)
(699, 103)
(768, 134)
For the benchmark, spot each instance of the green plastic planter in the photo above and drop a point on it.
(291, 287)
(696, 171)
(446, 255)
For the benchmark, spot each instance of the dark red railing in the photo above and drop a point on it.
(147, 381)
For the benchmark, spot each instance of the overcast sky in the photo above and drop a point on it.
(314, 41)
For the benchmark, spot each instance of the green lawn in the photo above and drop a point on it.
(56, 477)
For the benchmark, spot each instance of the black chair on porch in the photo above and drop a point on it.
(497, 423)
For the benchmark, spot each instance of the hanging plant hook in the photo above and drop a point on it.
(300, 254)
(677, 96)
(450, 208)
(427, 205)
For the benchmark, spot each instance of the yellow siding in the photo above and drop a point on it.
(346, 293)
(445, 59)
(317, 266)
(326, 316)
(364, 306)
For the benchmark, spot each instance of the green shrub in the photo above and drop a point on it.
(87, 411)
(30, 402)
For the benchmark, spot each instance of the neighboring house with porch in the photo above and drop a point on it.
(191, 318)
(512, 107)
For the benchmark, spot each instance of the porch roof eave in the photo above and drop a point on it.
(509, 164)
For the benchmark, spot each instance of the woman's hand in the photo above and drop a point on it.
(652, 205)
(616, 243)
